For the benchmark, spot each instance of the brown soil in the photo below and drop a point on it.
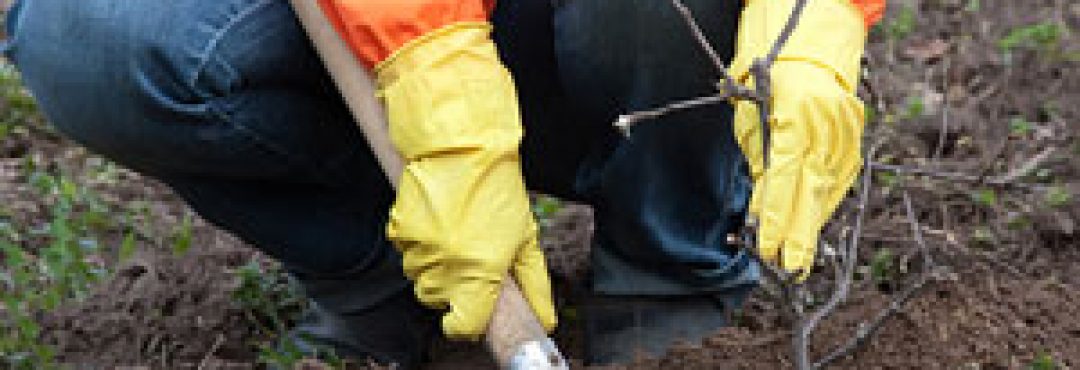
(1011, 294)
(158, 310)
(975, 322)
(173, 310)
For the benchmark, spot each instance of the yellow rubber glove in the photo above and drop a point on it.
(461, 218)
(816, 123)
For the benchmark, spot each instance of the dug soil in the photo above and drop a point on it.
(982, 135)
(167, 311)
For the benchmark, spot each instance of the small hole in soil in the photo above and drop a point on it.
(169, 308)
(134, 272)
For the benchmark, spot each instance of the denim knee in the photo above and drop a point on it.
(227, 103)
(96, 71)
(667, 193)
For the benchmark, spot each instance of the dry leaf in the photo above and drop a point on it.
(927, 50)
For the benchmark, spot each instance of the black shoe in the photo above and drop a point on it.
(360, 322)
(618, 329)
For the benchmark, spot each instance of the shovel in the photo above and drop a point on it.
(515, 337)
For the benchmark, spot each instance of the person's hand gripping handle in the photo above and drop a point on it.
(514, 334)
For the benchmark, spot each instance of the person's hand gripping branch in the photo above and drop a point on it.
(816, 122)
(461, 219)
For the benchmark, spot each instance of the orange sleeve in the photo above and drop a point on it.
(375, 29)
(872, 10)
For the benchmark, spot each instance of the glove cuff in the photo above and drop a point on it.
(435, 48)
(455, 93)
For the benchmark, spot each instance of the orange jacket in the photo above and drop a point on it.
(375, 29)
(872, 10)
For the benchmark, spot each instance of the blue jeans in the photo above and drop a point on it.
(226, 102)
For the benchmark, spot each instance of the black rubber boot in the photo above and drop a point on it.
(362, 321)
(619, 329)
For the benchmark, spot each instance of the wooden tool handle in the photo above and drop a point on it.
(513, 322)
(512, 325)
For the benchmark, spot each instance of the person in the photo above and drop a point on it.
(226, 103)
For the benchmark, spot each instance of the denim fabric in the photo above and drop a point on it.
(226, 102)
(11, 19)
(667, 195)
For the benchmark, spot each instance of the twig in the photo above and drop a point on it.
(206, 359)
(165, 354)
(627, 121)
(1024, 169)
(791, 291)
(1008, 179)
(944, 112)
(755, 342)
(985, 94)
(844, 275)
(785, 33)
(727, 89)
(867, 329)
(916, 230)
(843, 285)
(876, 97)
(151, 345)
(927, 172)
(784, 282)
(703, 41)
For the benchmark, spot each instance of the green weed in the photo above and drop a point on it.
(57, 266)
(19, 107)
(182, 236)
(1040, 37)
(263, 291)
(1057, 197)
(915, 108)
(888, 180)
(902, 25)
(870, 114)
(881, 266)
(1071, 56)
(973, 6)
(1018, 126)
(49, 259)
(985, 197)
(544, 209)
(1043, 361)
(272, 303)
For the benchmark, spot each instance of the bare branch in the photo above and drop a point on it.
(1008, 179)
(214, 348)
(627, 121)
(791, 291)
(1024, 169)
(927, 172)
(867, 329)
(916, 230)
(702, 40)
(847, 272)
(944, 132)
